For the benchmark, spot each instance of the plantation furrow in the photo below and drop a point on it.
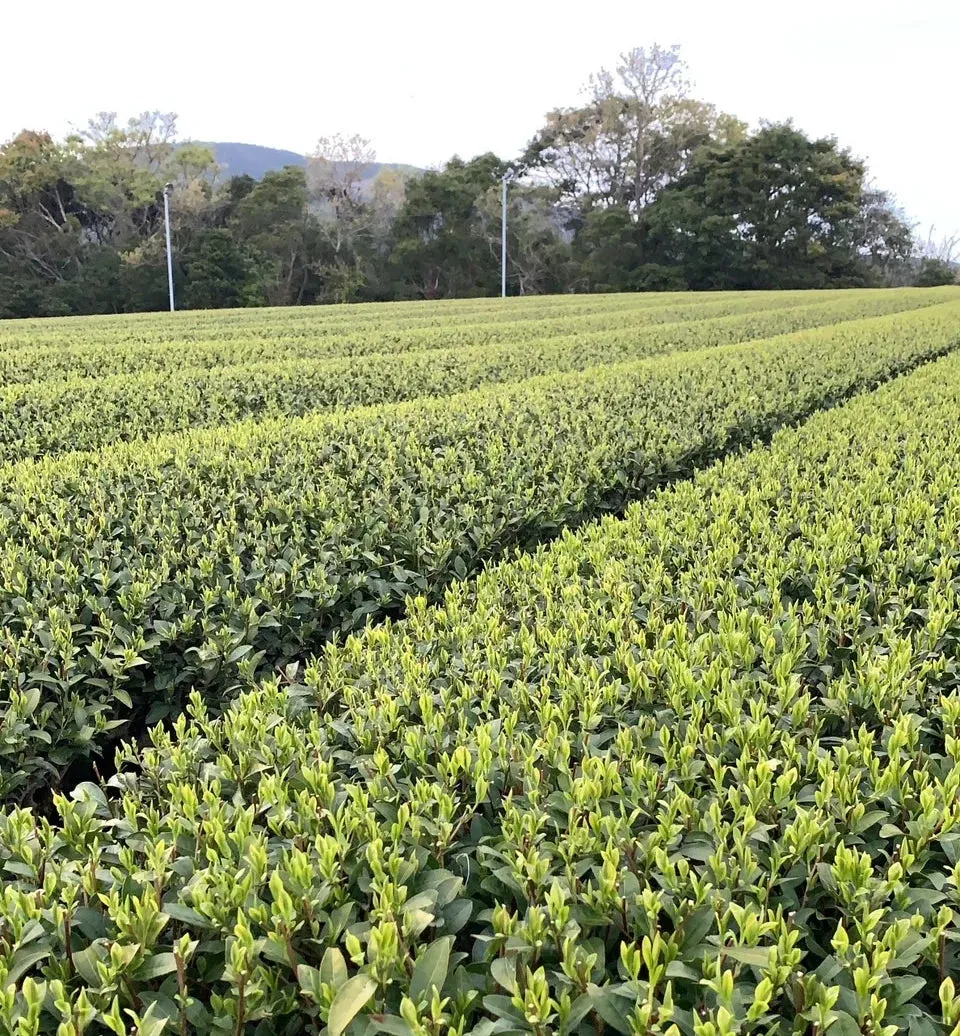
(130, 575)
(699, 765)
(50, 417)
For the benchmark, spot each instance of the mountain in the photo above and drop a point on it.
(254, 160)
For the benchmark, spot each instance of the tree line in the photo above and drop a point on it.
(640, 187)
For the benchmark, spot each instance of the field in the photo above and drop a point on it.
(562, 665)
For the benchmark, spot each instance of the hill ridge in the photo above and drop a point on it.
(239, 159)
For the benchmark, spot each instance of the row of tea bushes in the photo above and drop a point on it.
(95, 358)
(691, 773)
(336, 321)
(130, 575)
(45, 417)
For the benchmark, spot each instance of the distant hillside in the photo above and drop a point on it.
(254, 160)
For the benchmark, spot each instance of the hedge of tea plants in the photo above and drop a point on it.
(340, 321)
(289, 339)
(692, 772)
(132, 575)
(165, 388)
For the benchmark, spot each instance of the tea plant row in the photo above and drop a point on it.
(131, 575)
(337, 321)
(53, 409)
(694, 772)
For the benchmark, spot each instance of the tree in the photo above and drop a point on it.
(223, 206)
(934, 272)
(610, 254)
(274, 221)
(946, 248)
(217, 274)
(124, 169)
(635, 133)
(387, 196)
(72, 211)
(44, 222)
(337, 175)
(884, 239)
(440, 249)
(642, 186)
(148, 139)
(537, 253)
(776, 210)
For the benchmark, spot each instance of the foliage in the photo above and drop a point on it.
(439, 250)
(70, 211)
(130, 575)
(538, 256)
(272, 220)
(89, 396)
(41, 351)
(884, 240)
(635, 134)
(641, 187)
(776, 210)
(217, 273)
(691, 772)
(936, 271)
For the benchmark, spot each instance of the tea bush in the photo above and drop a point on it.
(696, 771)
(91, 355)
(131, 575)
(54, 414)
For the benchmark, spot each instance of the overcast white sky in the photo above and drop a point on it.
(429, 79)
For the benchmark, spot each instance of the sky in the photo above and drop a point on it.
(428, 80)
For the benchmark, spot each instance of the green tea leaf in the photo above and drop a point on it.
(350, 998)
(430, 970)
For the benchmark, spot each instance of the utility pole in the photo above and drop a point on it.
(167, 188)
(503, 241)
(508, 175)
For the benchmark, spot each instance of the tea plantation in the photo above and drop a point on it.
(557, 665)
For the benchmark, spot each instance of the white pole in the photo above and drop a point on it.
(503, 242)
(166, 219)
